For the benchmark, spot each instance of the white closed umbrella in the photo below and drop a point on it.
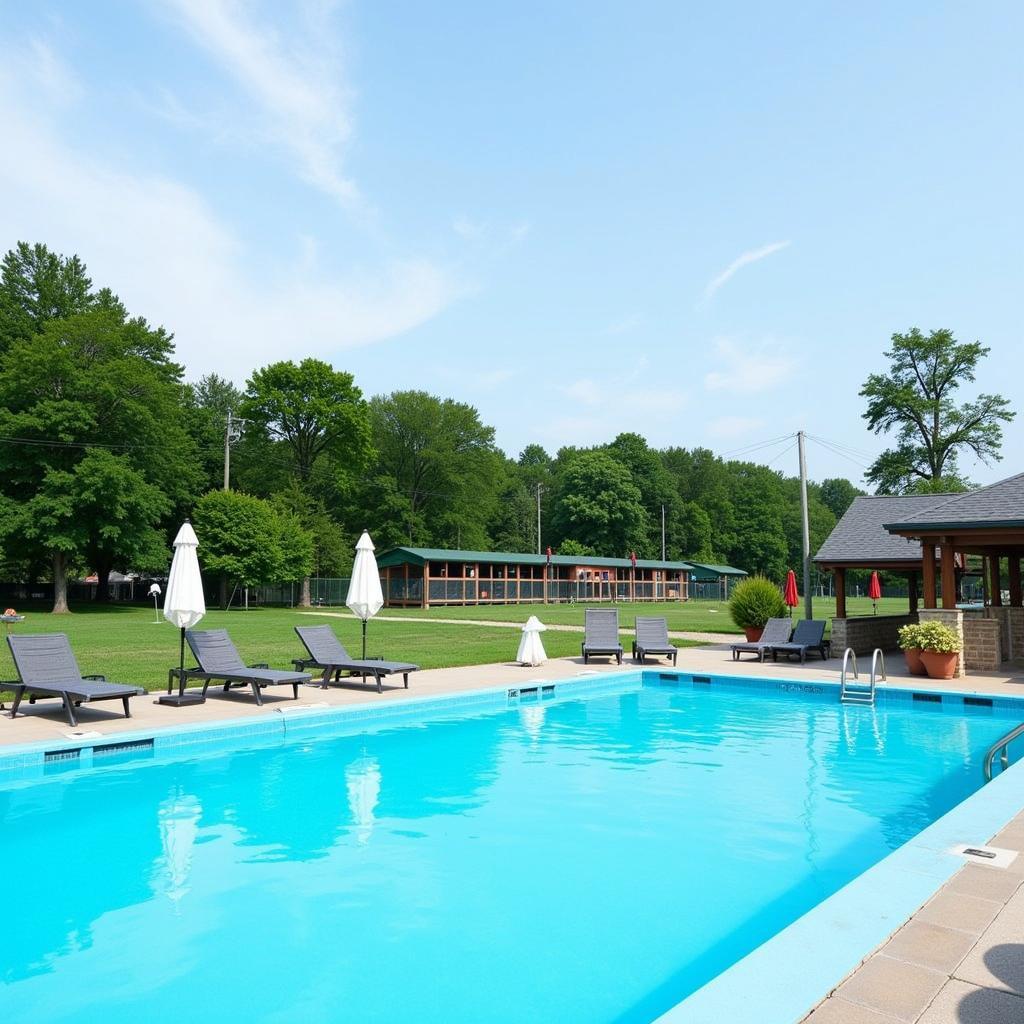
(531, 647)
(365, 597)
(184, 603)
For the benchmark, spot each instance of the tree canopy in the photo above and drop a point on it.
(916, 399)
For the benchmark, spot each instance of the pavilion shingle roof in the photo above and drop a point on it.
(861, 535)
(999, 504)
(398, 555)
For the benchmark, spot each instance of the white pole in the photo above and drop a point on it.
(805, 523)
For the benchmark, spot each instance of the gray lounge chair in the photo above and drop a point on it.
(218, 659)
(776, 631)
(327, 652)
(601, 634)
(652, 638)
(809, 635)
(46, 667)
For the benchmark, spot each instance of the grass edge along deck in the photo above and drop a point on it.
(781, 980)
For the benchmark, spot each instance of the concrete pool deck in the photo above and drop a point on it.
(959, 958)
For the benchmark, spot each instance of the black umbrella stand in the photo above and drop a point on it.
(181, 698)
(364, 639)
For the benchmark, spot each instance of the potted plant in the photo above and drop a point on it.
(940, 649)
(754, 601)
(910, 644)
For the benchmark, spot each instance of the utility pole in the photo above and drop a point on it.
(232, 432)
(539, 489)
(806, 524)
(663, 533)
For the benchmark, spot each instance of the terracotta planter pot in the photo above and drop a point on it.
(940, 666)
(753, 633)
(914, 664)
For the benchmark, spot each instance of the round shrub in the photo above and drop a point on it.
(754, 601)
(934, 636)
(910, 637)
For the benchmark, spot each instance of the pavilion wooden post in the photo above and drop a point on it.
(928, 574)
(912, 591)
(1015, 587)
(426, 584)
(995, 584)
(948, 564)
(840, 575)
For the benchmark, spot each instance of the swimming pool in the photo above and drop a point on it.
(592, 853)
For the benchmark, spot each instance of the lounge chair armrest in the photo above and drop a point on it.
(259, 664)
(97, 676)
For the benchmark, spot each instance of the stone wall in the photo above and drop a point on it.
(866, 632)
(952, 617)
(1011, 629)
(983, 650)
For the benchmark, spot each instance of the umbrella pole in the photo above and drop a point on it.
(364, 639)
(181, 664)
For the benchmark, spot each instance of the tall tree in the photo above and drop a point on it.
(917, 399)
(36, 286)
(443, 463)
(314, 409)
(206, 406)
(599, 506)
(92, 382)
(315, 413)
(837, 495)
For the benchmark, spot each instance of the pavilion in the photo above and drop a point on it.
(927, 538)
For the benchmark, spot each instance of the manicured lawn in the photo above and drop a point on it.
(128, 646)
(693, 616)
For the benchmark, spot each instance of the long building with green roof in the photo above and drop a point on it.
(420, 577)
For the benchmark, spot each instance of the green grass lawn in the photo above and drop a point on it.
(694, 616)
(128, 646)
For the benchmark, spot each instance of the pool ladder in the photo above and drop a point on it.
(851, 689)
(1001, 747)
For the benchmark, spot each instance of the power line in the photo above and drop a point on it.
(757, 445)
(837, 451)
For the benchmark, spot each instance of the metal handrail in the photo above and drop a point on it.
(1003, 745)
(878, 656)
(848, 654)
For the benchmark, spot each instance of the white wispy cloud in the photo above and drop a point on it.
(746, 367)
(169, 256)
(741, 261)
(294, 85)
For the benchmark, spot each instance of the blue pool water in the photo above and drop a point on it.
(594, 858)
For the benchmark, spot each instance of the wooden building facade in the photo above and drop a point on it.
(421, 577)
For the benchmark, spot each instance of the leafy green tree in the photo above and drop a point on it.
(443, 463)
(598, 505)
(313, 413)
(37, 286)
(314, 409)
(247, 541)
(100, 509)
(837, 495)
(574, 547)
(95, 381)
(917, 399)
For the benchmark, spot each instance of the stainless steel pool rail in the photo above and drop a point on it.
(1001, 745)
(851, 690)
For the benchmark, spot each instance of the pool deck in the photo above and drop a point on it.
(958, 960)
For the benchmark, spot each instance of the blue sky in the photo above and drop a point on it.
(699, 222)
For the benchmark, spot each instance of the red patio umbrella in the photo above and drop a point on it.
(792, 598)
(874, 591)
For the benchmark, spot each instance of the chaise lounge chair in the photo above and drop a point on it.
(652, 638)
(217, 658)
(327, 652)
(46, 667)
(809, 635)
(601, 635)
(776, 631)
